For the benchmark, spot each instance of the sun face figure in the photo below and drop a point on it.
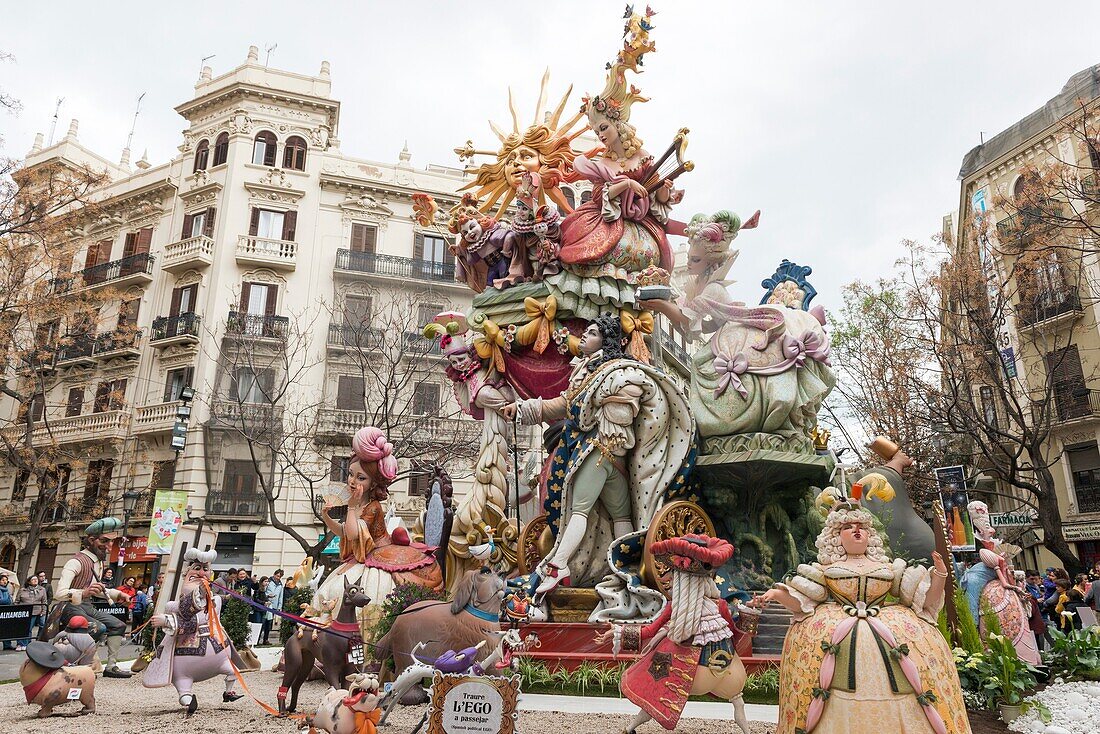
(543, 149)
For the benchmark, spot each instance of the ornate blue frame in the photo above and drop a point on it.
(788, 270)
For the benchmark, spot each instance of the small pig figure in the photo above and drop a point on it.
(48, 682)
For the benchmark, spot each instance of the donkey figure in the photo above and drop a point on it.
(331, 649)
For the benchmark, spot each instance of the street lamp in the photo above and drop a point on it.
(129, 502)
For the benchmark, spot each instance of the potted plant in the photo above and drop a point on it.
(1009, 677)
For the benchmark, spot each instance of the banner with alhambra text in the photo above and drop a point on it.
(168, 509)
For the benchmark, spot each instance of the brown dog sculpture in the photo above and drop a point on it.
(48, 683)
(472, 616)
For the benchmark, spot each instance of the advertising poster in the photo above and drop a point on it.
(168, 508)
(960, 530)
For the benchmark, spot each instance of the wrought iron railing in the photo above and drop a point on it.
(1047, 306)
(169, 327)
(392, 265)
(241, 505)
(1068, 404)
(106, 272)
(115, 341)
(267, 327)
(76, 346)
(368, 337)
(1088, 497)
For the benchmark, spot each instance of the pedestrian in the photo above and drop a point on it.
(1093, 595)
(155, 587)
(109, 577)
(259, 595)
(1055, 603)
(1081, 583)
(1071, 618)
(1094, 574)
(7, 596)
(33, 594)
(44, 581)
(1033, 584)
(141, 603)
(277, 592)
(243, 585)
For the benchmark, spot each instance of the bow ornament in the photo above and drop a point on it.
(729, 371)
(541, 318)
(636, 326)
(490, 344)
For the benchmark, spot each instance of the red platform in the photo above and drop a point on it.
(568, 644)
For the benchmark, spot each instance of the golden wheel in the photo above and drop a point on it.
(530, 545)
(671, 521)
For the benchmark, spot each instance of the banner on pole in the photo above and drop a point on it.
(168, 509)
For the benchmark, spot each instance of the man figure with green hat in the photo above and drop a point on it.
(81, 584)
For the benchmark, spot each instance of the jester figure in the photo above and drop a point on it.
(689, 649)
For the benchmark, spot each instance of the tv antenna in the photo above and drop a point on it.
(202, 64)
(53, 125)
(137, 111)
(269, 49)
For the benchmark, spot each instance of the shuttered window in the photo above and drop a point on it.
(183, 300)
(110, 395)
(202, 155)
(339, 467)
(1067, 379)
(426, 400)
(221, 149)
(100, 252)
(128, 314)
(263, 149)
(198, 223)
(294, 154)
(164, 474)
(272, 225)
(357, 310)
(175, 381)
(349, 392)
(259, 299)
(363, 237)
(75, 402)
(253, 386)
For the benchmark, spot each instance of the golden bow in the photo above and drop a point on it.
(636, 326)
(490, 344)
(541, 318)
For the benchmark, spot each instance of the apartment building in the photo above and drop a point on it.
(1050, 334)
(255, 268)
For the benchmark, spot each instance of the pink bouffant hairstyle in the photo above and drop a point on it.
(370, 446)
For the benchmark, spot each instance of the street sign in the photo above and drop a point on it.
(1011, 519)
(333, 546)
(467, 704)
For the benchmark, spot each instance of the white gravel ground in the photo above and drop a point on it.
(125, 707)
(1074, 709)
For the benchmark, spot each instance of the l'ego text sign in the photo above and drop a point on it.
(466, 704)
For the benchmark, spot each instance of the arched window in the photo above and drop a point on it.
(263, 150)
(294, 154)
(586, 196)
(202, 155)
(570, 197)
(221, 149)
(1026, 184)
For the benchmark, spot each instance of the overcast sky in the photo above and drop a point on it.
(845, 122)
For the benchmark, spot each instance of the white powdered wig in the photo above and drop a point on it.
(829, 547)
(194, 554)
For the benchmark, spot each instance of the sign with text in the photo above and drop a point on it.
(15, 621)
(333, 547)
(120, 612)
(168, 509)
(469, 704)
(1011, 519)
(1081, 531)
(136, 550)
(960, 529)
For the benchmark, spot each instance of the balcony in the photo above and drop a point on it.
(279, 254)
(1071, 405)
(358, 264)
(76, 350)
(1050, 309)
(340, 425)
(245, 506)
(258, 421)
(342, 337)
(181, 329)
(121, 343)
(193, 252)
(133, 270)
(257, 327)
(1018, 229)
(1088, 497)
(110, 425)
(156, 418)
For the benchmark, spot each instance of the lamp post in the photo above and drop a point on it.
(129, 502)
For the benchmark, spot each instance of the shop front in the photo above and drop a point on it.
(136, 559)
(1086, 537)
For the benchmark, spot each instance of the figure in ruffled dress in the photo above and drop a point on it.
(764, 369)
(689, 647)
(864, 654)
(372, 557)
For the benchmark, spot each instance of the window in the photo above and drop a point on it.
(259, 299)
(570, 197)
(221, 149)
(363, 237)
(1023, 184)
(420, 479)
(426, 400)
(989, 407)
(357, 310)
(56, 482)
(294, 154)
(349, 392)
(202, 155)
(433, 253)
(33, 409)
(75, 402)
(137, 243)
(175, 381)
(273, 225)
(339, 467)
(97, 486)
(1071, 398)
(240, 478)
(128, 314)
(198, 223)
(253, 386)
(19, 489)
(586, 196)
(46, 334)
(425, 312)
(164, 474)
(263, 150)
(110, 395)
(98, 253)
(183, 300)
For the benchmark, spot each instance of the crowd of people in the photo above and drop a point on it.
(1057, 600)
(266, 590)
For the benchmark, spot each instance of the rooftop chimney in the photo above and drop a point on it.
(405, 156)
(73, 127)
(205, 74)
(124, 164)
(37, 143)
(326, 69)
(253, 53)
